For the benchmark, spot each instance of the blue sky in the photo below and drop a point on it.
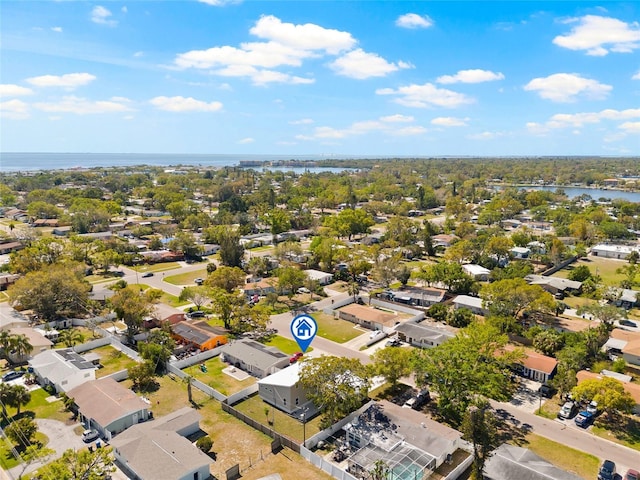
(304, 77)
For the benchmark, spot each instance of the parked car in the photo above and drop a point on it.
(198, 281)
(295, 357)
(568, 410)
(592, 408)
(584, 419)
(90, 435)
(607, 470)
(147, 274)
(394, 342)
(632, 475)
(196, 314)
(375, 334)
(303, 290)
(627, 323)
(12, 375)
(418, 401)
(546, 391)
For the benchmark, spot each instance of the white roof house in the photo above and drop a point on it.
(64, 369)
(472, 303)
(478, 272)
(282, 390)
(614, 251)
(323, 278)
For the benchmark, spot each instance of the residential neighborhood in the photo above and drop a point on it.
(154, 318)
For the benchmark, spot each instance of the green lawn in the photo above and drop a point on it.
(112, 361)
(7, 458)
(604, 267)
(282, 423)
(186, 278)
(157, 267)
(41, 408)
(624, 430)
(285, 345)
(335, 329)
(575, 461)
(216, 378)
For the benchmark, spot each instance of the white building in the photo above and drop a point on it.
(282, 390)
(63, 369)
(620, 252)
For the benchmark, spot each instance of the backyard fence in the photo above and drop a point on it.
(198, 358)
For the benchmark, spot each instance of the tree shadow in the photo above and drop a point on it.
(624, 428)
(510, 428)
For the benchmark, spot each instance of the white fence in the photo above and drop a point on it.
(99, 342)
(198, 358)
(242, 394)
(460, 469)
(119, 376)
(323, 464)
(327, 432)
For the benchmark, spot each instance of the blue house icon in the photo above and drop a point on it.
(303, 329)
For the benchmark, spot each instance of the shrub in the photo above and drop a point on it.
(204, 443)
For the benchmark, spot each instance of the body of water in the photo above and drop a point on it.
(12, 162)
(594, 193)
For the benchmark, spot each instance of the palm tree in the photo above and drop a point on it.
(353, 289)
(21, 396)
(71, 337)
(6, 396)
(5, 341)
(20, 345)
(188, 379)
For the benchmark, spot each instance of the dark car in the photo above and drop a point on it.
(394, 342)
(607, 470)
(627, 323)
(196, 314)
(584, 419)
(147, 274)
(12, 375)
(546, 391)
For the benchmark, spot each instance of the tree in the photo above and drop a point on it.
(34, 453)
(157, 349)
(380, 470)
(132, 305)
(20, 397)
(231, 252)
(71, 337)
(22, 432)
(278, 221)
(197, 295)
(608, 392)
(185, 242)
(386, 270)
(290, 279)
(20, 345)
(188, 381)
(56, 291)
(224, 304)
(548, 342)
(226, 278)
(605, 313)
(479, 426)
(353, 288)
(336, 385)
(472, 363)
(511, 296)
(439, 312)
(105, 259)
(80, 465)
(461, 317)
(350, 222)
(141, 375)
(6, 396)
(392, 363)
(579, 273)
(204, 443)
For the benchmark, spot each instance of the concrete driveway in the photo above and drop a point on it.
(61, 438)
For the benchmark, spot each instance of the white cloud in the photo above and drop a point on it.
(485, 136)
(102, 16)
(56, 29)
(138, 54)
(630, 128)
(303, 37)
(246, 141)
(82, 106)
(566, 87)
(636, 76)
(16, 109)
(471, 76)
(360, 65)
(450, 121)
(600, 35)
(413, 20)
(427, 95)
(302, 121)
(407, 131)
(10, 90)
(184, 104)
(68, 81)
(578, 120)
(219, 3)
(397, 118)
(124, 9)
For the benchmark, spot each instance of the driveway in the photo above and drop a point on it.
(61, 438)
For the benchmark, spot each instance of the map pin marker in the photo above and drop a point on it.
(304, 329)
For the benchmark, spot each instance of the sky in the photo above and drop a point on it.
(369, 78)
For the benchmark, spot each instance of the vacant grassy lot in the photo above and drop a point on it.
(216, 378)
(112, 361)
(624, 430)
(157, 267)
(334, 329)
(254, 407)
(186, 278)
(575, 461)
(605, 267)
(234, 441)
(285, 345)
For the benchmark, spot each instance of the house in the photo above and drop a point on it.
(62, 231)
(620, 252)
(8, 279)
(422, 297)
(210, 249)
(554, 285)
(537, 247)
(368, 317)
(322, 278)
(108, 407)
(63, 369)
(409, 443)
(472, 303)
(199, 335)
(535, 366)
(444, 240)
(45, 222)
(261, 287)
(508, 462)
(631, 388)
(283, 391)
(422, 336)
(38, 341)
(160, 449)
(478, 272)
(520, 252)
(9, 247)
(624, 297)
(624, 343)
(254, 357)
